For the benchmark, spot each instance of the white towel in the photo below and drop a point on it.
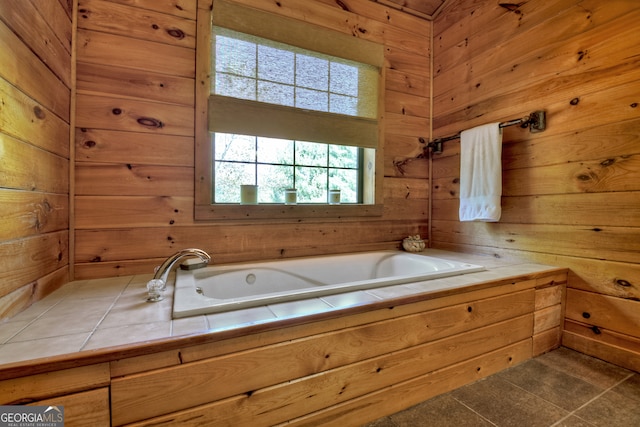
(481, 173)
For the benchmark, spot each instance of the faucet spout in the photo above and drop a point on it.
(162, 272)
(159, 282)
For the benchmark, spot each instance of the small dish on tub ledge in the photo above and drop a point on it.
(413, 244)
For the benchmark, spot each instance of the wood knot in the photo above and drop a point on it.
(634, 105)
(608, 162)
(89, 144)
(176, 33)
(574, 101)
(116, 111)
(39, 112)
(150, 122)
(623, 283)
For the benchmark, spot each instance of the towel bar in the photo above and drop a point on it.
(536, 121)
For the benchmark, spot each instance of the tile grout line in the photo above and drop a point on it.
(32, 321)
(475, 412)
(592, 400)
(95, 328)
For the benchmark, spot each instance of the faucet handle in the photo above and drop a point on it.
(155, 288)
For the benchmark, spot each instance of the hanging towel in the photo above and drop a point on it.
(481, 173)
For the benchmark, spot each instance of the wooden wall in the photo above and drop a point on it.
(35, 100)
(134, 138)
(571, 195)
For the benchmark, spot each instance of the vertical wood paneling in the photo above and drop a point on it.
(570, 194)
(35, 95)
(135, 137)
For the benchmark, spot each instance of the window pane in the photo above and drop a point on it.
(311, 184)
(312, 99)
(344, 79)
(271, 150)
(312, 73)
(343, 105)
(231, 147)
(275, 93)
(311, 154)
(228, 179)
(235, 56)
(275, 65)
(234, 86)
(347, 181)
(272, 181)
(342, 156)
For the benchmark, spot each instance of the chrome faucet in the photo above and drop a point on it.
(158, 284)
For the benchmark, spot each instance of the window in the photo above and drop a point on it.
(276, 164)
(288, 106)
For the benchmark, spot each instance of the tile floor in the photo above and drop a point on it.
(561, 388)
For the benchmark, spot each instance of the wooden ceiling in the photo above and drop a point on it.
(423, 8)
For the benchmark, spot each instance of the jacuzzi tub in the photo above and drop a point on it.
(229, 287)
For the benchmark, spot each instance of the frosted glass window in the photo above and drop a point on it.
(291, 76)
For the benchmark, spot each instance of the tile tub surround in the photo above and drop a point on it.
(102, 319)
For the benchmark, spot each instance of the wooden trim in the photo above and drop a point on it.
(203, 170)
(263, 211)
(72, 145)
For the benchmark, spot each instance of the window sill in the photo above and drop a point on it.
(276, 211)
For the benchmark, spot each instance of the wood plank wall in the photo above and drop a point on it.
(571, 195)
(135, 138)
(35, 100)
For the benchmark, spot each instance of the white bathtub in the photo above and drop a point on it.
(229, 287)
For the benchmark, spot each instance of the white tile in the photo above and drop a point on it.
(243, 317)
(349, 299)
(390, 292)
(9, 328)
(136, 311)
(188, 326)
(45, 347)
(128, 334)
(101, 288)
(66, 318)
(299, 308)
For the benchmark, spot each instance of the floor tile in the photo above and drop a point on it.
(442, 411)
(553, 385)
(573, 421)
(590, 369)
(630, 387)
(508, 405)
(612, 409)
